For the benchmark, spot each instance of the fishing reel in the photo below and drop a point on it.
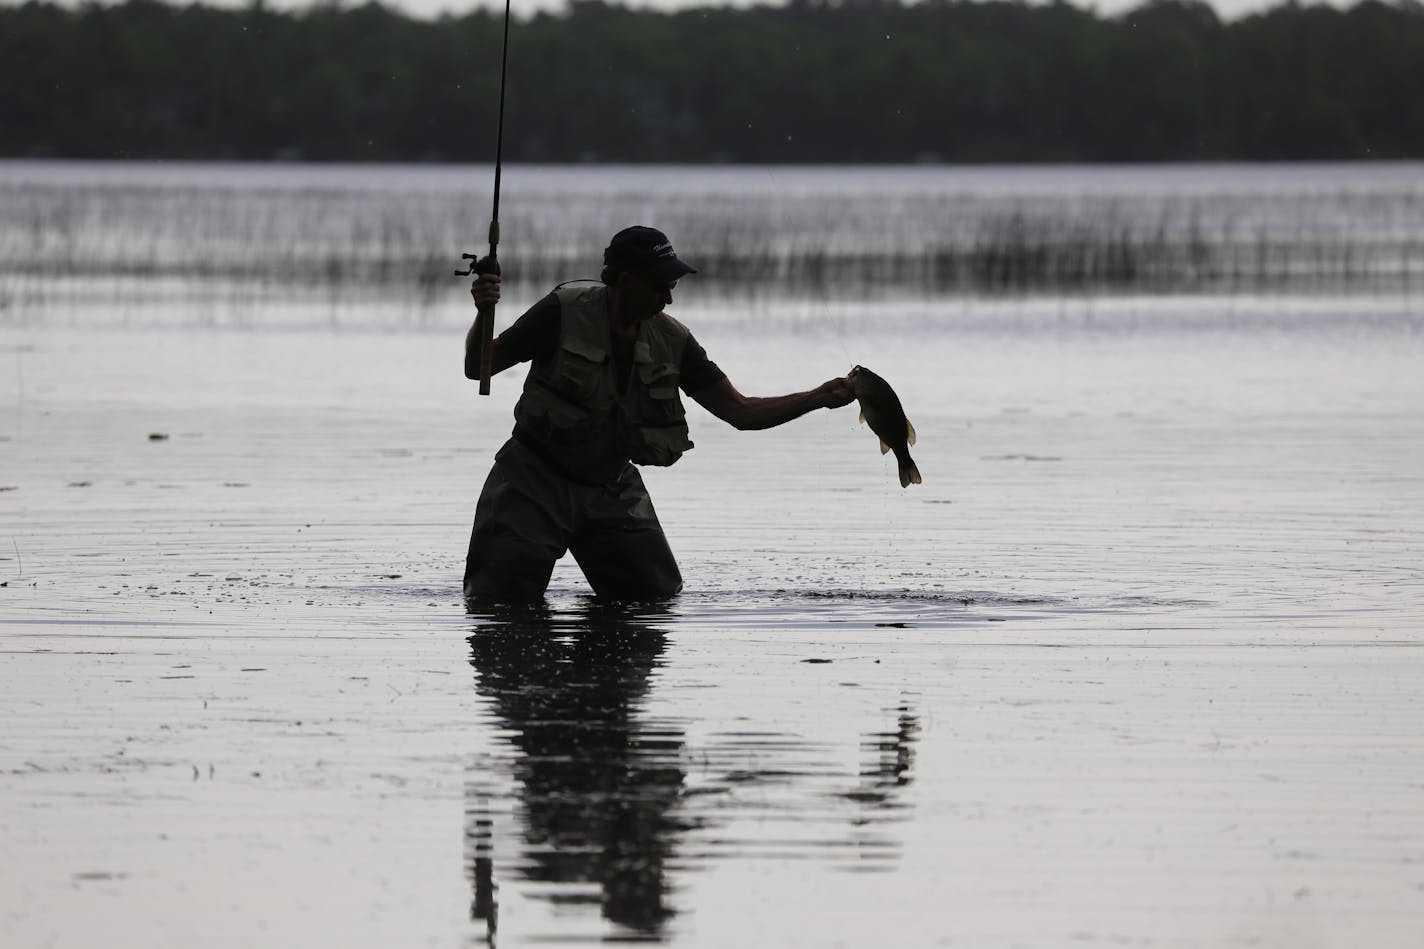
(479, 266)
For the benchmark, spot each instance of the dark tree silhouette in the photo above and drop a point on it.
(813, 81)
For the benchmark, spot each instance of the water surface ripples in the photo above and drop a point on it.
(1138, 662)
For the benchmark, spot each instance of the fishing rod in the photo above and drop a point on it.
(489, 264)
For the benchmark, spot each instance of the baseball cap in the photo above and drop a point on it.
(647, 252)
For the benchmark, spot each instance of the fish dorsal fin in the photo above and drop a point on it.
(909, 432)
(883, 447)
(862, 415)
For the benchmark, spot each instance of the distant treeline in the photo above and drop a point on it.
(814, 81)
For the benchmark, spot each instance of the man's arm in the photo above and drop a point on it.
(750, 413)
(500, 360)
(533, 335)
(485, 290)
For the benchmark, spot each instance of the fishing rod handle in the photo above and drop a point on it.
(483, 267)
(486, 348)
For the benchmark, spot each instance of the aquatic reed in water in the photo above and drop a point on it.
(275, 233)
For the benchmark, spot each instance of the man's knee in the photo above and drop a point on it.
(640, 589)
(630, 571)
(504, 568)
(511, 580)
(486, 589)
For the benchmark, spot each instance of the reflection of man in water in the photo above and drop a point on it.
(596, 784)
(602, 391)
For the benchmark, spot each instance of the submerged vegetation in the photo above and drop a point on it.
(812, 81)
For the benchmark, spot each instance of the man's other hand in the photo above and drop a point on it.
(836, 393)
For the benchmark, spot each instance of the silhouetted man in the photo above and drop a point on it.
(601, 397)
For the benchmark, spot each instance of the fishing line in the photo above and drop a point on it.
(489, 264)
(835, 323)
(840, 337)
(499, 133)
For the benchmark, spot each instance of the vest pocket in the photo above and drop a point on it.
(558, 411)
(580, 369)
(660, 404)
(659, 444)
(660, 434)
(658, 374)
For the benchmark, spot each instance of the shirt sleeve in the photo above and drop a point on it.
(697, 371)
(535, 335)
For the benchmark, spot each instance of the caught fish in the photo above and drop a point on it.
(880, 409)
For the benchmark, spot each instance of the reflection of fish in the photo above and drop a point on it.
(880, 408)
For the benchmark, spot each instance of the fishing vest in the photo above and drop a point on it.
(570, 405)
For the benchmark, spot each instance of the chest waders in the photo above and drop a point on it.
(564, 482)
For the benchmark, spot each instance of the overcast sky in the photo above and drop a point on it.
(425, 8)
(1227, 9)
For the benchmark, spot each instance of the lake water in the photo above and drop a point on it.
(1138, 663)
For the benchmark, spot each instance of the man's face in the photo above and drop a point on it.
(644, 297)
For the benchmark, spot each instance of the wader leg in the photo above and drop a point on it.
(620, 545)
(516, 537)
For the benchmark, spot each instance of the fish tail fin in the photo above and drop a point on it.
(910, 434)
(909, 471)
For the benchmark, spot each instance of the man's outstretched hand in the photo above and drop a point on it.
(836, 393)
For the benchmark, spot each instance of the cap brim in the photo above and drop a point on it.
(669, 269)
